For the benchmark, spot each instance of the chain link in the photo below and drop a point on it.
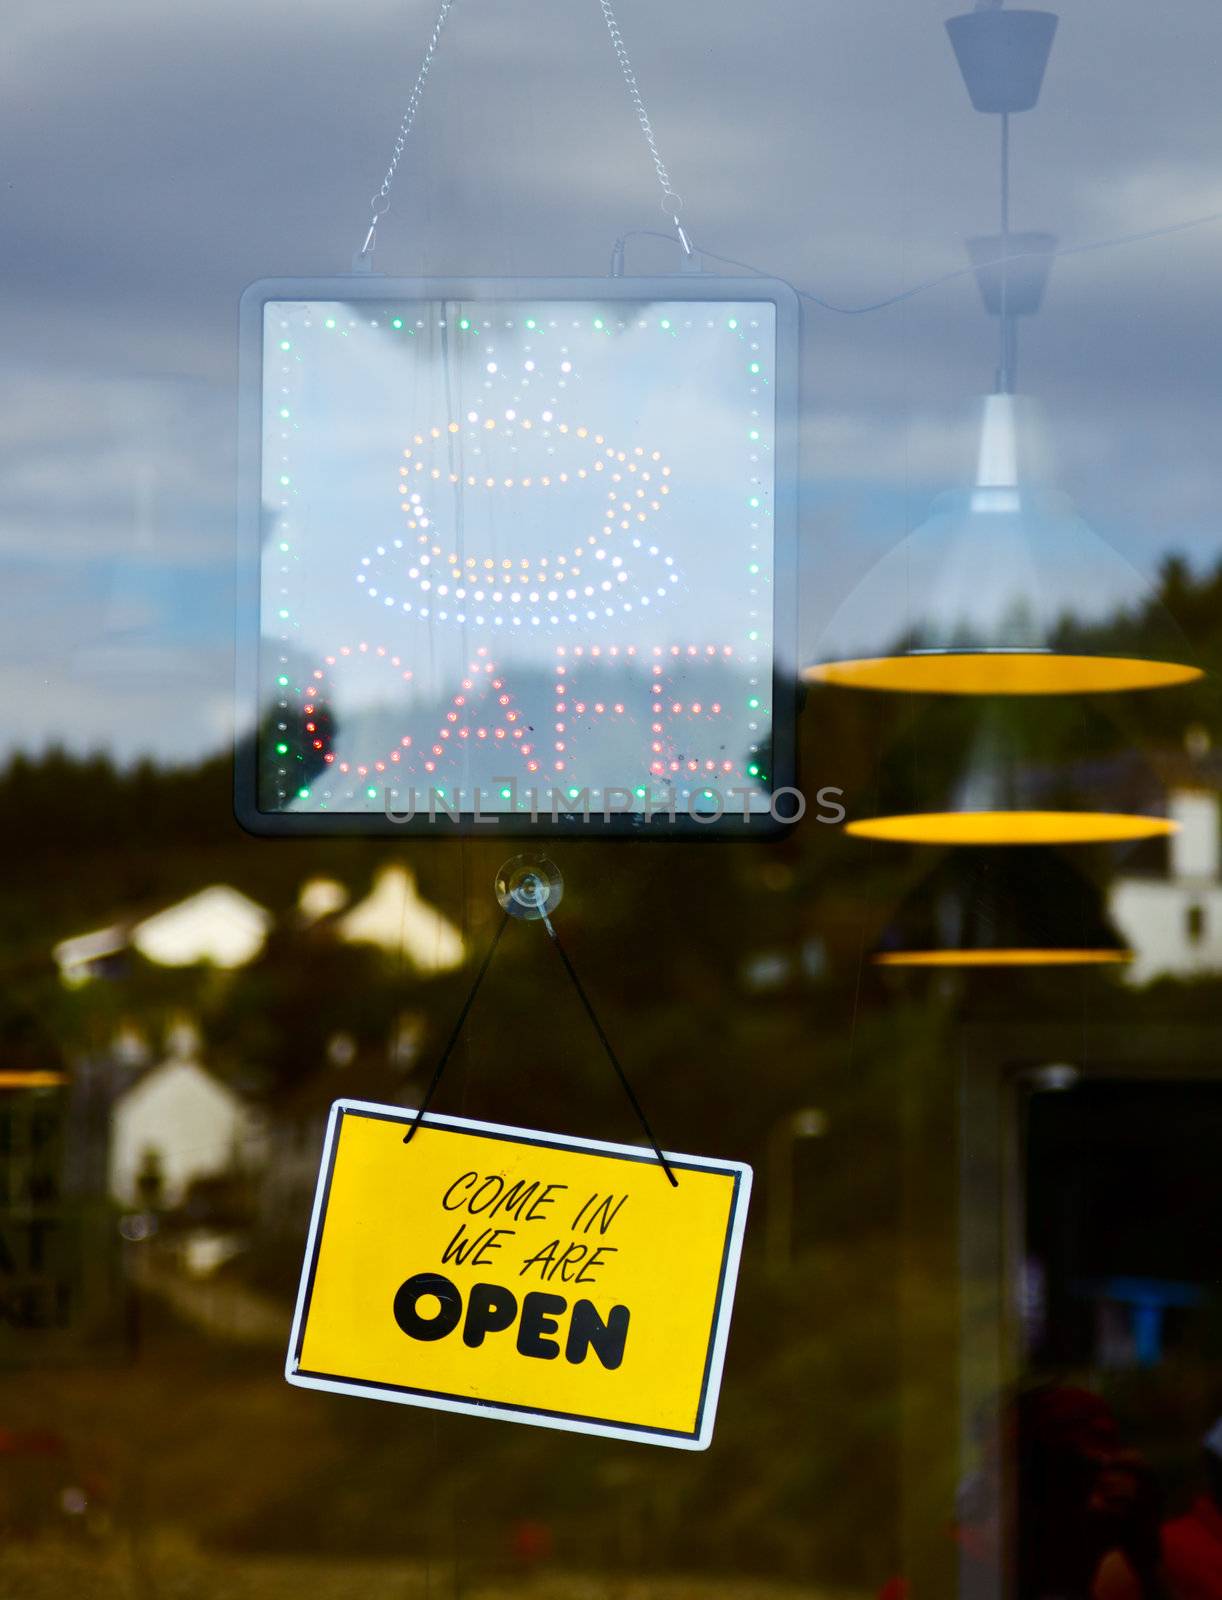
(380, 202)
(672, 203)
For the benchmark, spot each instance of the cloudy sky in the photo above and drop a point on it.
(159, 158)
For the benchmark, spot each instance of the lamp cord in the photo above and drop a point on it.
(617, 262)
(1008, 352)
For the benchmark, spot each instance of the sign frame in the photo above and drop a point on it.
(699, 1438)
(785, 684)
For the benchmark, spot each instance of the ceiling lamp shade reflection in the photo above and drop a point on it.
(996, 591)
(1002, 672)
(1002, 55)
(1004, 590)
(31, 1078)
(990, 908)
(1011, 827)
(1013, 784)
(30, 1058)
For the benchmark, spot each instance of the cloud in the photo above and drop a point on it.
(159, 158)
(92, 464)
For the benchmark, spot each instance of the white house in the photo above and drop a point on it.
(218, 925)
(1173, 923)
(180, 1123)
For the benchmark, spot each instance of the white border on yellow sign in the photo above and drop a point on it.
(699, 1439)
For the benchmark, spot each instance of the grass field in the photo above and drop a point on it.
(169, 1567)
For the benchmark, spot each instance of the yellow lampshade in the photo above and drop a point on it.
(1011, 827)
(1001, 771)
(31, 1079)
(1003, 958)
(1001, 672)
(996, 592)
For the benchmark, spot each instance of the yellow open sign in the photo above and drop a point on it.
(527, 1276)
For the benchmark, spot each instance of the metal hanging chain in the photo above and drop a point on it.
(672, 203)
(380, 203)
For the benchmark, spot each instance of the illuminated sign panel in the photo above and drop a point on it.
(517, 551)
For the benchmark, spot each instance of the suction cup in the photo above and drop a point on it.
(529, 887)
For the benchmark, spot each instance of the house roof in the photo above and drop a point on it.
(395, 916)
(218, 925)
(184, 1068)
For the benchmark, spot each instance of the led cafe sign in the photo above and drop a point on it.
(534, 531)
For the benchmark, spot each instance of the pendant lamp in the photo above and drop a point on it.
(987, 594)
(995, 908)
(995, 591)
(1006, 771)
(1004, 590)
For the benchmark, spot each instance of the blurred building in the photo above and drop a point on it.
(152, 1126)
(176, 1125)
(1171, 917)
(319, 898)
(396, 916)
(218, 926)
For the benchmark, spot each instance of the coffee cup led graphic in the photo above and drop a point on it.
(470, 489)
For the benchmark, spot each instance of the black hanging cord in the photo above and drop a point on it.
(439, 1069)
(457, 1029)
(611, 1055)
